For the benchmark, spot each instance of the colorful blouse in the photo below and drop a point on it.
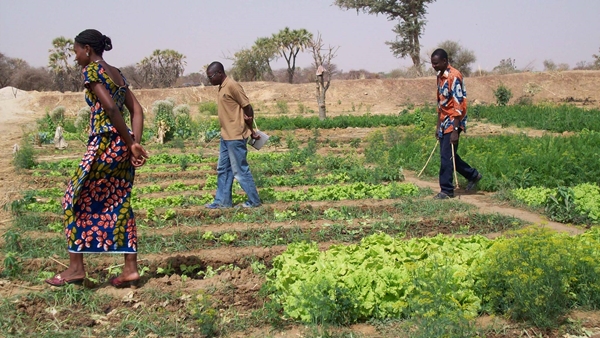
(99, 120)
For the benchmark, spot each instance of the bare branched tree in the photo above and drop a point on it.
(324, 71)
(459, 56)
(9, 67)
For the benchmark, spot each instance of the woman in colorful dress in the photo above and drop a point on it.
(98, 216)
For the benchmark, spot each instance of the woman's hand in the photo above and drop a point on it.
(138, 155)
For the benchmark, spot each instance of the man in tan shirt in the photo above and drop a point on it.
(235, 116)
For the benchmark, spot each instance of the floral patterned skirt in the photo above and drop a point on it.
(97, 204)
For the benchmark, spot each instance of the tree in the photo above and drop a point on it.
(289, 43)
(249, 66)
(267, 51)
(9, 67)
(162, 68)
(458, 56)
(550, 66)
(133, 77)
(193, 80)
(254, 64)
(322, 61)
(67, 75)
(29, 78)
(411, 16)
(597, 60)
(506, 66)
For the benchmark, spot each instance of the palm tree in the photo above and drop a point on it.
(65, 73)
(289, 43)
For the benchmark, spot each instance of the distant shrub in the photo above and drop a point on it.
(275, 140)
(506, 66)
(58, 114)
(82, 121)
(183, 123)
(208, 107)
(524, 101)
(503, 94)
(163, 114)
(24, 158)
(282, 107)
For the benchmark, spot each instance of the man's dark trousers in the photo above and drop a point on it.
(447, 168)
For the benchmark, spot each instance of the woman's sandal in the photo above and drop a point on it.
(120, 284)
(57, 280)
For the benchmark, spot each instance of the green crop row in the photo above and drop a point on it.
(334, 192)
(426, 115)
(506, 161)
(552, 118)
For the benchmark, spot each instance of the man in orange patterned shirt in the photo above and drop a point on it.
(452, 120)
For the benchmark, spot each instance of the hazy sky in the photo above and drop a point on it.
(529, 31)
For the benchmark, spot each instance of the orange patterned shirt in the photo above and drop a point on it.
(452, 100)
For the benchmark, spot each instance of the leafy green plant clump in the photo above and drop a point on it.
(208, 107)
(374, 279)
(539, 275)
(578, 203)
(24, 158)
(503, 94)
(534, 275)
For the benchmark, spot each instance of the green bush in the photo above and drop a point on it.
(301, 108)
(163, 113)
(539, 275)
(12, 265)
(561, 207)
(208, 107)
(202, 310)
(503, 94)
(24, 158)
(327, 303)
(184, 125)
(82, 121)
(435, 309)
(524, 101)
(58, 114)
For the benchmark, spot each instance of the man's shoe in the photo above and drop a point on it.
(473, 183)
(215, 206)
(442, 196)
(248, 205)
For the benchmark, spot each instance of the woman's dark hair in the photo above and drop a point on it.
(94, 39)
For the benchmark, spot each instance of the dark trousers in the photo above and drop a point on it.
(447, 168)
